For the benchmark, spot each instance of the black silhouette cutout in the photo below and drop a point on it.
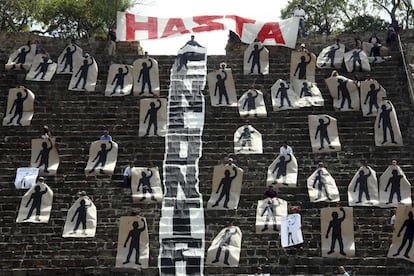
(356, 58)
(225, 185)
(68, 59)
(395, 182)
(119, 78)
(322, 185)
(245, 139)
(152, 117)
(255, 58)
(81, 211)
(18, 106)
(36, 199)
(343, 89)
(83, 70)
(281, 168)
(301, 67)
(250, 101)
(283, 91)
(42, 68)
(101, 156)
(385, 117)
(322, 130)
(408, 235)
(144, 73)
(306, 90)
(330, 56)
(336, 226)
(21, 57)
(145, 181)
(134, 236)
(221, 87)
(270, 211)
(44, 156)
(225, 243)
(362, 180)
(372, 96)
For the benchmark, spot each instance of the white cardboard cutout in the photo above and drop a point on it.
(20, 104)
(42, 69)
(291, 230)
(269, 213)
(331, 56)
(307, 93)
(153, 117)
(22, 58)
(402, 237)
(222, 88)
(323, 132)
(119, 81)
(81, 219)
(226, 243)
(394, 187)
(146, 74)
(256, 59)
(344, 92)
(372, 94)
(146, 185)
(44, 156)
(356, 61)
(247, 140)
(36, 204)
(102, 158)
(363, 188)
(84, 75)
(322, 186)
(302, 66)
(387, 128)
(26, 177)
(251, 104)
(70, 58)
(283, 171)
(283, 96)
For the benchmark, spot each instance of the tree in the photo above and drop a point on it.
(16, 15)
(363, 24)
(398, 11)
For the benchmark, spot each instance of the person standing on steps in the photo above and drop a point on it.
(111, 37)
(128, 174)
(270, 192)
(300, 13)
(285, 149)
(342, 271)
(105, 136)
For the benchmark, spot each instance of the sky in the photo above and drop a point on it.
(263, 10)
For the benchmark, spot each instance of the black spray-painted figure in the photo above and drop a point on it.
(246, 139)
(291, 221)
(385, 118)
(270, 211)
(356, 58)
(144, 73)
(145, 182)
(362, 180)
(134, 236)
(281, 167)
(68, 59)
(221, 87)
(336, 226)
(119, 78)
(395, 182)
(81, 211)
(322, 185)
(101, 156)
(408, 235)
(306, 90)
(255, 58)
(322, 130)
(225, 185)
(225, 243)
(301, 67)
(18, 107)
(36, 199)
(330, 56)
(372, 96)
(250, 101)
(283, 91)
(343, 89)
(152, 117)
(44, 156)
(83, 70)
(21, 57)
(42, 67)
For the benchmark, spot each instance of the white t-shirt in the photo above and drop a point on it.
(392, 220)
(299, 13)
(287, 150)
(127, 171)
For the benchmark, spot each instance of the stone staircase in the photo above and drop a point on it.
(78, 118)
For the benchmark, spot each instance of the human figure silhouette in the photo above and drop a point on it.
(385, 118)
(283, 91)
(225, 243)
(81, 212)
(330, 56)
(144, 73)
(120, 78)
(336, 226)
(343, 90)
(395, 182)
(408, 235)
(44, 156)
(250, 101)
(255, 58)
(152, 117)
(134, 236)
(291, 221)
(301, 67)
(322, 185)
(372, 96)
(36, 199)
(83, 71)
(145, 182)
(68, 59)
(42, 68)
(281, 168)
(322, 130)
(18, 106)
(270, 211)
(225, 185)
(245, 138)
(356, 58)
(221, 88)
(362, 180)
(101, 156)
(305, 91)
(21, 57)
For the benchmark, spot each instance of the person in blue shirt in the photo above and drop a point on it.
(105, 136)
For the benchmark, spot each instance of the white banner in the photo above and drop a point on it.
(136, 27)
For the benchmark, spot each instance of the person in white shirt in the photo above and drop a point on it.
(285, 149)
(299, 12)
(127, 175)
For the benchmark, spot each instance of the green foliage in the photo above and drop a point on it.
(16, 15)
(365, 23)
